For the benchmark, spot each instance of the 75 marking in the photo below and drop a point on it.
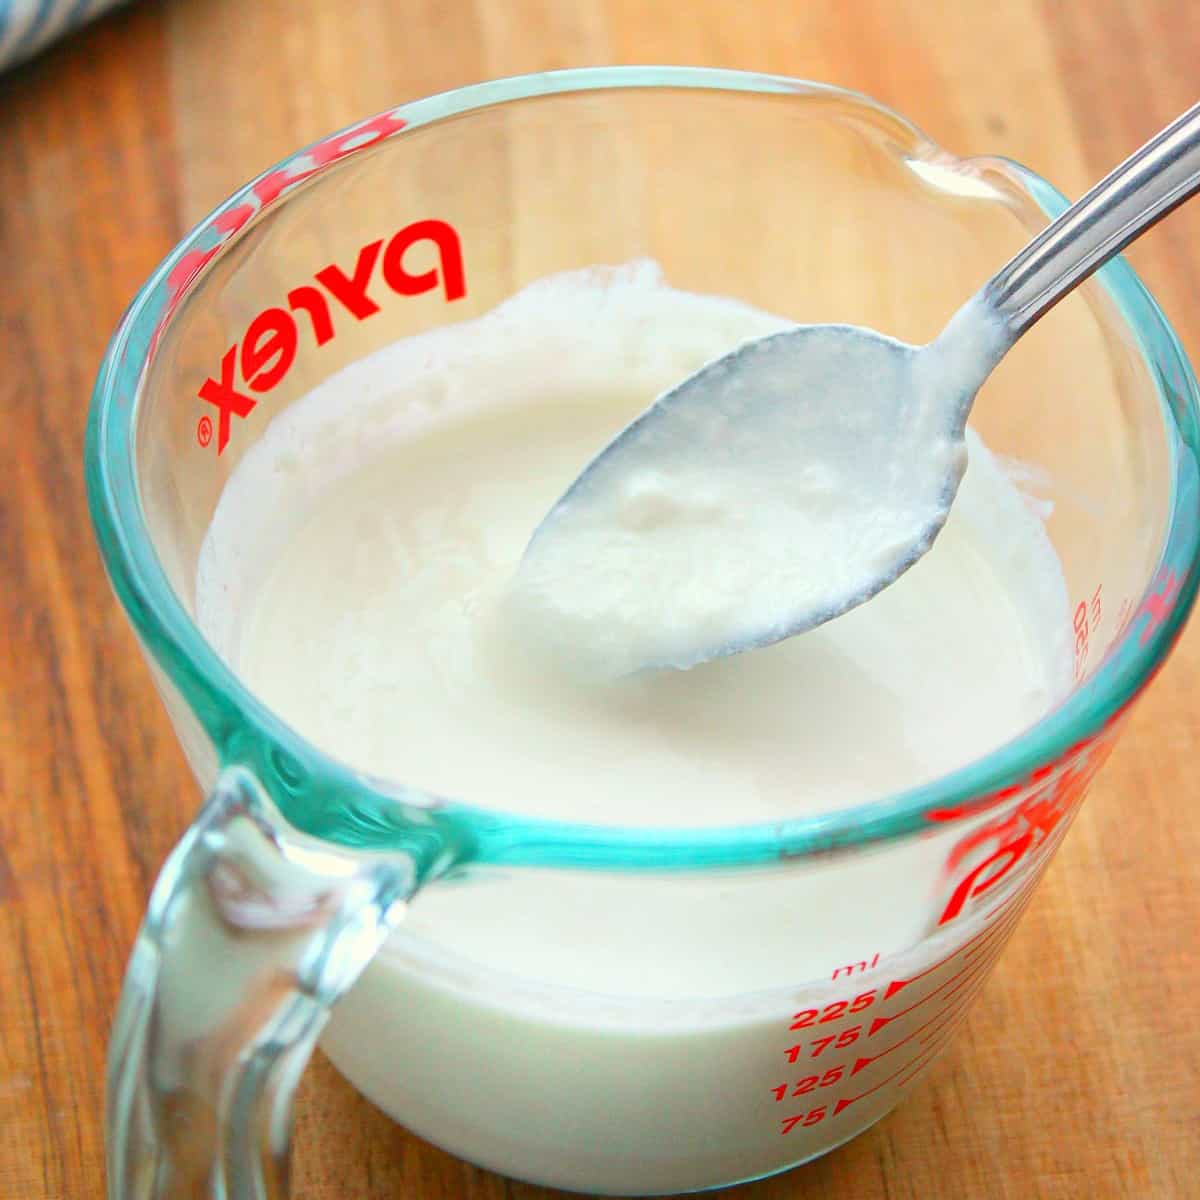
(808, 1118)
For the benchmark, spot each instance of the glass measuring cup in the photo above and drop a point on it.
(280, 896)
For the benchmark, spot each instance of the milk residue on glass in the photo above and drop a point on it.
(355, 575)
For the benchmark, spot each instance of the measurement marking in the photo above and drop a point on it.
(1003, 927)
(1006, 927)
(931, 1051)
(846, 1101)
(1013, 895)
(957, 1007)
(1012, 903)
(989, 933)
(952, 1025)
(1001, 938)
(1020, 895)
(952, 1010)
(991, 941)
(981, 967)
(1053, 841)
(978, 968)
(974, 969)
(997, 933)
(864, 965)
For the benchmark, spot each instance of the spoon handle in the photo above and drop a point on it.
(1124, 204)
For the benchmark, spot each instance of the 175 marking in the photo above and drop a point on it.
(819, 1045)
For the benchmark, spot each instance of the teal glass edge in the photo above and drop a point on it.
(328, 799)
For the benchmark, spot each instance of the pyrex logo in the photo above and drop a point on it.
(266, 351)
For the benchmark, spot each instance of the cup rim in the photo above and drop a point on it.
(328, 798)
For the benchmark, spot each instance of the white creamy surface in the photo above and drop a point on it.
(355, 573)
(765, 494)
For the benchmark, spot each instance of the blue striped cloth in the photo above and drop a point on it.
(28, 25)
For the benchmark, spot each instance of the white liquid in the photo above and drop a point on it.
(606, 1032)
(767, 493)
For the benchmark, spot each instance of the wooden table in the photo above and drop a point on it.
(1077, 1072)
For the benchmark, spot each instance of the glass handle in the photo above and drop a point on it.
(1148, 185)
(252, 932)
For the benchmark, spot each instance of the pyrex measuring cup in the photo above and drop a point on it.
(836, 953)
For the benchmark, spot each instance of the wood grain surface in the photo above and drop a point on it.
(1077, 1074)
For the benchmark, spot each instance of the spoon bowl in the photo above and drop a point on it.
(857, 449)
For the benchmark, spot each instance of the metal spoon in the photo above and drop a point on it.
(797, 476)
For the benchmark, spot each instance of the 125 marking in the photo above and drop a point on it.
(810, 1083)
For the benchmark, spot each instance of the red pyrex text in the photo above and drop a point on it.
(268, 348)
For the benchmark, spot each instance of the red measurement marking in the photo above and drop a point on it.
(845, 1102)
(969, 972)
(932, 1052)
(1007, 902)
(1019, 902)
(810, 1083)
(810, 1118)
(838, 1040)
(808, 1017)
(981, 966)
(979, 942)
(928, 1054)
(958, 1007)
(959, 1017)
(999, 930)
(863, 965)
